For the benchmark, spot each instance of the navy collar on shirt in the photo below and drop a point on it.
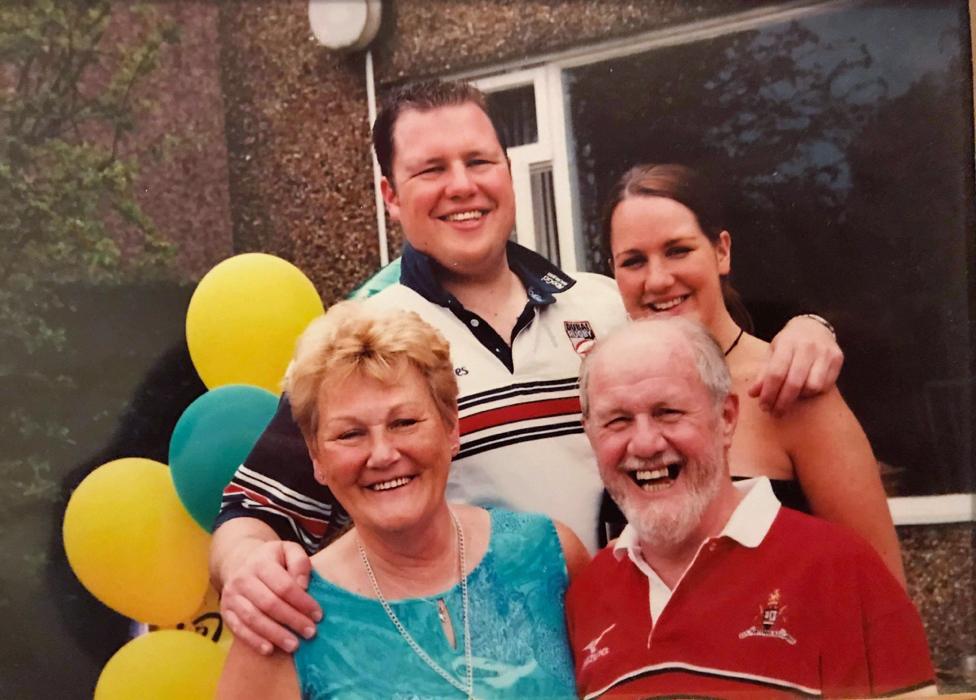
(541, 279)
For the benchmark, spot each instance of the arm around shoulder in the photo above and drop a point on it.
(262, 583)
(804, 360)
(574, 553)
(247, 674)
(232, 542)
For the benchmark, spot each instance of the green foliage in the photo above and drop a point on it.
(69, 101)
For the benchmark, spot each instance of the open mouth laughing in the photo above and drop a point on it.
(659, 478)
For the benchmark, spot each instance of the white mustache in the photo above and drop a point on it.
(662, 459)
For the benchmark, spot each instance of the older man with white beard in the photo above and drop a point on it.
(713, 588)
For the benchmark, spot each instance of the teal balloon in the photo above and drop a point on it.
(211, 439)
(386, 277)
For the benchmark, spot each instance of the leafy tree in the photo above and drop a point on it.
(73, 78)
(768, 111)
(69, 105)
(848, 177)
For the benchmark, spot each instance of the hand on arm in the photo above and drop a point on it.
(804, 360)
(262, 581)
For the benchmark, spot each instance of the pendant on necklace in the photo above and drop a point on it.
(445, 618)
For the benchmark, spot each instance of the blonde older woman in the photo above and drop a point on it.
(422, 598)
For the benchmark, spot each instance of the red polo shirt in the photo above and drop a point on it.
(780, 604)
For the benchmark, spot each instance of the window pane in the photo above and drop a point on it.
(514, 113)
(544, 212)
(844, 140)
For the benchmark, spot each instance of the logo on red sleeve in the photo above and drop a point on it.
(594, 650)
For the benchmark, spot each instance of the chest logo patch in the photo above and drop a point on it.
(770, 622)
(594, 651)
(581, 335)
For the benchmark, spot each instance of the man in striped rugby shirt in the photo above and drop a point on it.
(518, 327)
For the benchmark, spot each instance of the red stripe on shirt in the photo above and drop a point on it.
(519, 412)
(312, 526)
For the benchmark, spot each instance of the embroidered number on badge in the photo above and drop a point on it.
(770, 621)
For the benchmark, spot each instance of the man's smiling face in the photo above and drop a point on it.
(659, 437)
(452, 188)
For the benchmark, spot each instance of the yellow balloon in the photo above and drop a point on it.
(206, 621)
(164, 665)
(133, 545)
(244, 318)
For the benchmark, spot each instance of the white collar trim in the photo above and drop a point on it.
(748, 525)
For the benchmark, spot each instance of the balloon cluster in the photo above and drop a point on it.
(137, 532)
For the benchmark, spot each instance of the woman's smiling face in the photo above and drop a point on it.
(664, 263)
(384, 450)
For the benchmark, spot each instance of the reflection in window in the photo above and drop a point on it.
(844, 140)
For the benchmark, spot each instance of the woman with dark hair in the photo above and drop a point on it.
(672, 255)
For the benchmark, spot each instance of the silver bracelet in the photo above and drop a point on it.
(822, 321)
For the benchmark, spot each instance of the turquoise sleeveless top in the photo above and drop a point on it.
(518, 634)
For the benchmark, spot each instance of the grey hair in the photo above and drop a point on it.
(706, 352)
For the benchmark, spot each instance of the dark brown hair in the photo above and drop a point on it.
(422, 96)
(689, 187)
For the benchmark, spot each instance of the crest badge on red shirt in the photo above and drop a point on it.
(770, 621)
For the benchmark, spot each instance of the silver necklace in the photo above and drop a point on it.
(468, 690)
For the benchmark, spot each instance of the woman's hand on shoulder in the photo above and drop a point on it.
(804, 360)
(574, 553)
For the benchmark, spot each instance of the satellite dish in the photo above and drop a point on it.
(344, 25)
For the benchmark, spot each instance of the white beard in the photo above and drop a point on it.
(665, 526)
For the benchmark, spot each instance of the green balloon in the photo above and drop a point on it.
(211, 439)
(385, 277)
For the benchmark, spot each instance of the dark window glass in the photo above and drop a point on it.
(845, 143)
(514, 114)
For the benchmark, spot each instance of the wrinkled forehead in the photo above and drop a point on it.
(630, 359)
(617, 390)
(643, 349)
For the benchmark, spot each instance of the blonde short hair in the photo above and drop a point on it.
(352, 339)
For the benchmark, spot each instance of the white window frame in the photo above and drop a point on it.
(549, 150)
(522, 157)
(546, 74)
